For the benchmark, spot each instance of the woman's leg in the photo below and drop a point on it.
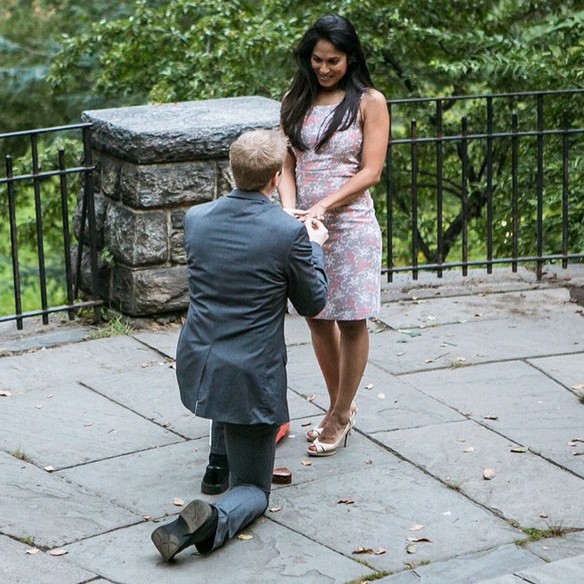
(353, 353)
(326, 343)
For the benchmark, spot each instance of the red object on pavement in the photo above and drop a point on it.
(283, 431)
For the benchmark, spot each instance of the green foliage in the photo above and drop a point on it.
(58, 57)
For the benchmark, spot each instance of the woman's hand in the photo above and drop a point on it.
(299, 214)
(316, 212)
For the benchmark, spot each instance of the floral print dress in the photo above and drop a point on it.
(353, 249)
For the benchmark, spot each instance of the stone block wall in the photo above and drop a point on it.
(152, 164)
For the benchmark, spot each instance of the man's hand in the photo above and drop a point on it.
(317, 232)
(296, 213)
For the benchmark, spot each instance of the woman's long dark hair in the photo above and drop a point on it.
(302, 93)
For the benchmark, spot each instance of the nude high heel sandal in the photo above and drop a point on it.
(318, 448)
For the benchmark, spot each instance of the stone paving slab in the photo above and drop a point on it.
(47, 367)
(389, 499)
(468, 569)
(568, 571)
(19, 567)
(35, 334)
(558, 548)
(43, 506)
(360, 453)
(438, 311)
(530, 408)
(151, 391)
(565, 369)
(526, 488)
(163, 340)
(273, 554)
(73, 425)
(147, 482)
(477, 342)
(453, 283)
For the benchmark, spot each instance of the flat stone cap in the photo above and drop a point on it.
(176, 132)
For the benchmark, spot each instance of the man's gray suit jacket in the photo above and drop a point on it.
(245, 258)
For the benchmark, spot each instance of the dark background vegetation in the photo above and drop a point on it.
(60, 57)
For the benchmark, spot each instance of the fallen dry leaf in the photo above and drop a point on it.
(519, 449)
(57, 552)
(275, 509)
(178, 502)
(489, 474)
(32, 551)
(576, 386)
(147, 517)
(544, 515)
(245, 536)
(416, 527)
(305, 462)
(491, 417)
(369, 386)
(411, 548)
(379, 551)
(381, 396)
(305, 424)
(5, 393)
(418, 540)
(469, 449)
(50, 468)
(346, 501)
(362, 550)
(310, 397)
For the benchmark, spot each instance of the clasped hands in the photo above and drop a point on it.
(312, 219)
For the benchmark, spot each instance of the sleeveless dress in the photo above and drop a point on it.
(353, 250)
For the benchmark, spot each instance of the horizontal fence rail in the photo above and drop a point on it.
(35, 217)
(485, 180)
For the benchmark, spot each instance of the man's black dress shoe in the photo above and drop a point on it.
(195, 525)
(216, 478)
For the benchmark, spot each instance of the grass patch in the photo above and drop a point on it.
(581, 397)
(113, 326)
(454, 486)
(553, 530)
(19, 454)
(371, 577)
(27, 540)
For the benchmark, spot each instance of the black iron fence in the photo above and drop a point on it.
(472, 181)
(51, 167)
(485, 180)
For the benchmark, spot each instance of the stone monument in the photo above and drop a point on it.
(152, 164)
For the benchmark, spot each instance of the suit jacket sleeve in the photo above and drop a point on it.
(307, 281)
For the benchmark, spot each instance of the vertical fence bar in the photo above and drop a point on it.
(514, 193)
(565, 184)
(66, 232)
(439, 188)
(414, 162)
(489, 193)
(39, 227)
(463, 194)
(14, 243)
(88, 196)
(389, 195)
(539, 188)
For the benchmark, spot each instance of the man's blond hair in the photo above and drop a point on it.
(255, 157)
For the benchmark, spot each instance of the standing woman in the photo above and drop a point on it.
(338, 126)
